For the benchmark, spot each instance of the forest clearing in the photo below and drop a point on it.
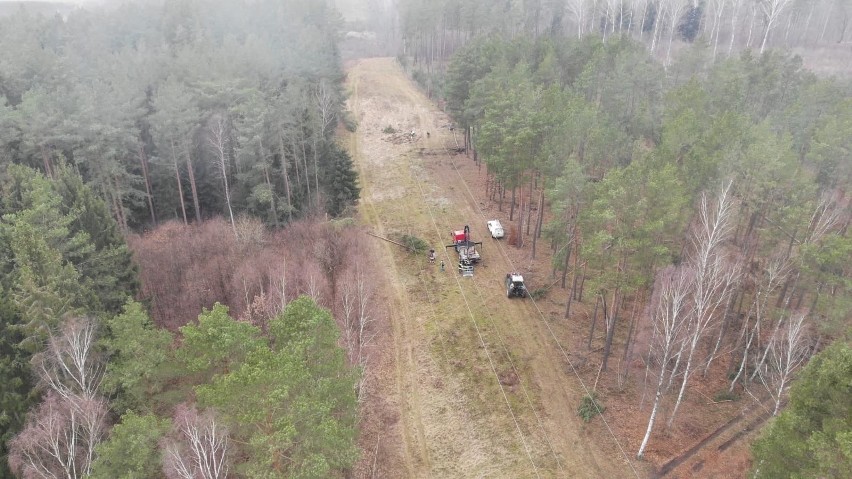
(409, 238)
(455, 341)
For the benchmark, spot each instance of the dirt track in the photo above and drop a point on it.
(473, 384)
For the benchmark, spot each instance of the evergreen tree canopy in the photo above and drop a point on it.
(813, 436)
(292, 402)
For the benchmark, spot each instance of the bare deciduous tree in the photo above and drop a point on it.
(718, 8)
(59, 438)
(788, 349)
(775, 273)
(325, 103)
(771, 10)
(828, 213)
(735, 9)
(357, 316)
(70, 365)
(198, 447)
(669, 320)
(714, 275)
(674, 9)
(217, 140)
(578, 10)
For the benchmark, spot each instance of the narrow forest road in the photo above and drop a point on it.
(473, 384)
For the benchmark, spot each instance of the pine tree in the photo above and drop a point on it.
(341, 180)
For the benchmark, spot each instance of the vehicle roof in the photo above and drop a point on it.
(516, 277)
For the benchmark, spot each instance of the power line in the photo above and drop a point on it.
(544, 320)
(481, 339)
(506, 352)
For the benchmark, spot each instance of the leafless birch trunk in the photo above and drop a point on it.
(714, 276)
(669, 319)
(775, 273)
(735, 9)
(788, 350)
(59, 438)
(771, 10)
(70, 365)
(218, 142)
(179, 184)
(324, 98)
(675, 8)
(198, 447)
(718, 12)
(357, 313)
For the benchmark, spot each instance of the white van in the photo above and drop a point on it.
(495, 228)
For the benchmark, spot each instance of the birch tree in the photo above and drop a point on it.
(714, 275)
(198, 447)
(218, 141)
(757, 313)
(788, 350)
(59, 438)
(735, 9)
(674, 9)
(669, 320)
(771, 11)
(71, 366)
(578, 10)
(324, 101)
(357, 314)
(718, 8)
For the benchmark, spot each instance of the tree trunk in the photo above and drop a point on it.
(628, 345)
(529, 212)
(286, 175)
(734, 11)
(540, 210)
(610, 321)
(192, 184)
(521, 220)
(119, 205)
(751, 26)
(726, 319)
(305, 163)
(45, 158)
(656, 30)
(765, 36)
(224, 166)
(567, 260)
(682, 385)
(316, 173)
(654, 409)
(143, 160)
(180, 186)
(594, 320)
(512, 206)
(268, 183)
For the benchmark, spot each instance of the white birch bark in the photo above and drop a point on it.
(714, 275)
(788, 350)
(70, 365)
(199, 447)
(771, 10)
(217, 140)
(669, 320)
